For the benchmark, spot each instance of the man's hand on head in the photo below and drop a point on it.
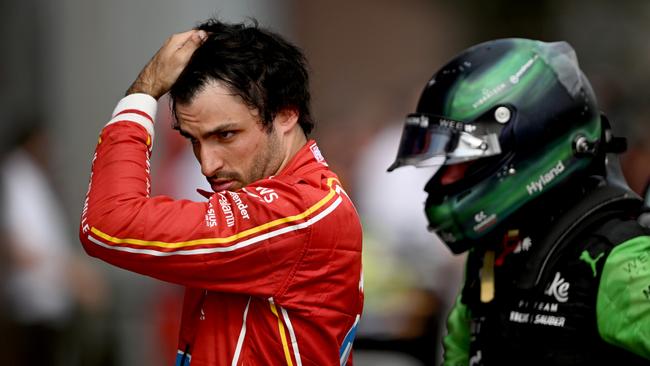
(157, 77)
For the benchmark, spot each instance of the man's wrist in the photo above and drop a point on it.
(140, 87)
(137, 107)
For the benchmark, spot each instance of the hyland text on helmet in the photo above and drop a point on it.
(545, 179)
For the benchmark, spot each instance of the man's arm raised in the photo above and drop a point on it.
(157, 77)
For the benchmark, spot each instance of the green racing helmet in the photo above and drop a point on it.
(518, 116)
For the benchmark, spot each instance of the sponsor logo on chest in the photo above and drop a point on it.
(210, 216)
(544, 312)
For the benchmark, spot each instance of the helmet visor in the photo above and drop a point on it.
(432, 141)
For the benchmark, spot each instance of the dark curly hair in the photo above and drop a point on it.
(265, 70)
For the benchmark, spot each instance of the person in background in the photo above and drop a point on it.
(271, 261)
(411, 278)
(46, 284)
(557, 270)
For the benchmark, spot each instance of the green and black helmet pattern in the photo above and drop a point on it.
(519, 113)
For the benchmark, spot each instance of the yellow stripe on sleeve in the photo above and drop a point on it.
(245, 233)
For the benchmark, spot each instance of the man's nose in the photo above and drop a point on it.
(211, 162)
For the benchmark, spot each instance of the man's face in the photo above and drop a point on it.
(228, 139)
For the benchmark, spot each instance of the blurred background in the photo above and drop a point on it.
(65, 63)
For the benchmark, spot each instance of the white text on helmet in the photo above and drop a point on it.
(514, 79)
(544, 179)
(489, 94)
(421, 121)
(455, 125)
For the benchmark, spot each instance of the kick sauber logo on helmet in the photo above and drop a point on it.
(545, 179)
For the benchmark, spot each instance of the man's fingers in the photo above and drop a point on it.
(200, 36)
(194, 40)
(163, 69)
(179, 40)
(191, 44)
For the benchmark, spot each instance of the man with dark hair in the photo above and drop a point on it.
(244, 69)
(272, 260)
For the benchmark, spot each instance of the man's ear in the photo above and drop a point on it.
(286, 120)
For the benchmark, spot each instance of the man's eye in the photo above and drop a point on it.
(193, 141)
(225, 135)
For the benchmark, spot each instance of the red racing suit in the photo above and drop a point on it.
(272, 271)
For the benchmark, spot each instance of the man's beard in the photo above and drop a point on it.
(266, 162)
